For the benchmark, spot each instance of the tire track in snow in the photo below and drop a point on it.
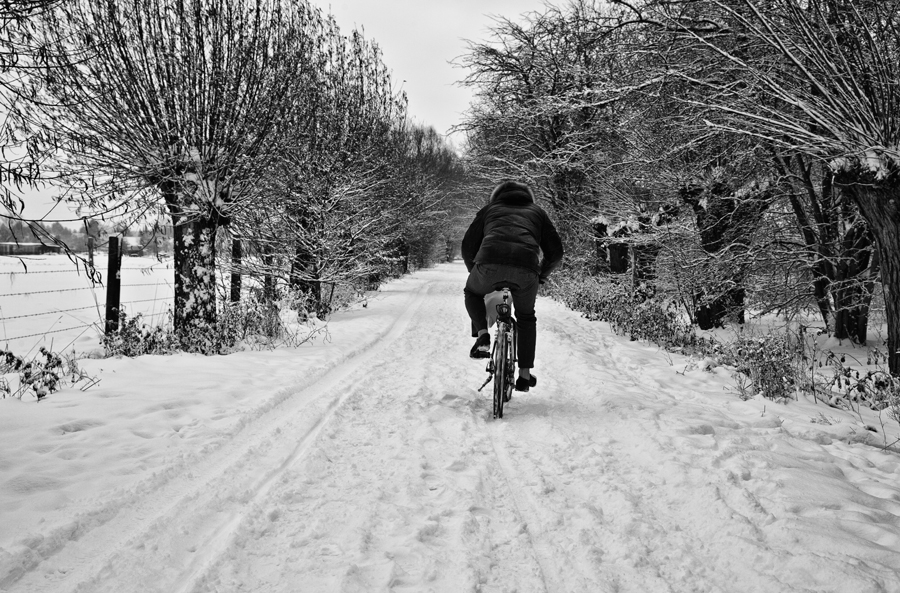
(692, 494)
(177, 529)
(410, 454)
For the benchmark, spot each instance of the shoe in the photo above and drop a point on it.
(525, 384)
(482, 347)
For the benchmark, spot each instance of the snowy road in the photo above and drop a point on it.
(384, 473)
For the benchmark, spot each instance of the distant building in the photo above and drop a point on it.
(132, 246)
(13, 248)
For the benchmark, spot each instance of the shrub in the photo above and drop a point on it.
(253, 323)
(134, 337)
(257, 322)
(764, 364)
(852, 382)
(653, 319)
(41, 376)
(768, 361)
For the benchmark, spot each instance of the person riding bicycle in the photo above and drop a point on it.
(503, 247)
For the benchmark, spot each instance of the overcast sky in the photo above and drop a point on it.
(419, 39)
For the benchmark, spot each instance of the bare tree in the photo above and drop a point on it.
(175, 105)
(836, 243)
(326, 208)
(822, 81)
(21, 60)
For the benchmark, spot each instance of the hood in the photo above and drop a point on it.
(512, 192)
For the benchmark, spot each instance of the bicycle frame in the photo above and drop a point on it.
(502, 365)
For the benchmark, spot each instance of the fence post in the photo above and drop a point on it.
(90, 247)
(113, 285)
(236, 254)
(269, 281)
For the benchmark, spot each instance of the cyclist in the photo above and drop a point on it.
(503, 247)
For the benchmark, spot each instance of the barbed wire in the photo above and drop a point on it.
(54, 331)
(161, 266)
(76, 309)
(40, 272)
(147, 284)
(144, 301)
(47, 313)
(11, 294)
(155, 314)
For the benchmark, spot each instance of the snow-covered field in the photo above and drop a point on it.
(46, 301)
(367, 462)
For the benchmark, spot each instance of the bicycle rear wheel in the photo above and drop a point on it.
(500, 373)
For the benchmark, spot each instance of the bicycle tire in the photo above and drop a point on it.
(511, 359)
(500, 378)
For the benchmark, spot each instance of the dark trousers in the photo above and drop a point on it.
(523, 286)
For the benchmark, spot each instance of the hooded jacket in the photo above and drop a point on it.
(513, 230)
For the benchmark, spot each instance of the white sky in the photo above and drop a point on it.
(420, 38)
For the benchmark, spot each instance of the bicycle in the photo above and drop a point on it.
(502, 365)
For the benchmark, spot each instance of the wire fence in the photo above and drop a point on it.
(52, 297)
(52, 300)
(21, 273)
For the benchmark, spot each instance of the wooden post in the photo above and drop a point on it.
(236, 254)
(90, 247)
(601, 264)
(113, 285)
(269, 281)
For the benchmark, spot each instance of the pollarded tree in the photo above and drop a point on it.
(823, 82)
(176, 104)
(329, 205)
(836, 243)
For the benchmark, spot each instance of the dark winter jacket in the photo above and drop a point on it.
(513, 230)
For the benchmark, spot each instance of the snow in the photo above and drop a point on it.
(367, 461)
(54, 305)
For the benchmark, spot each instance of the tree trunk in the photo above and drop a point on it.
(237, 252)
(601, 262)
(195, 281)
(303, 276)
(852, 312)
(643, 269)
(821, 284)
(402, 253)
(881, 209)
(723, 220)
(714, 312)
(851, 297)
(644, 261)
(269, 279)
(869, 288)
(618, 257)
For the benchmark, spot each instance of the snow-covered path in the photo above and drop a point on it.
(378, 469)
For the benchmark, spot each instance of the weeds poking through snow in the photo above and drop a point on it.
(253, 323)
(779, 367)
(46, 373)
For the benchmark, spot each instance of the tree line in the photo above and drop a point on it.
(729, 154)
(270, 140)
